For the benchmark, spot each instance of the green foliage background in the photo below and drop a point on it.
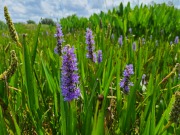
(31, 100)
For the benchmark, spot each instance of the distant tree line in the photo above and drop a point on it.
(31, 22)
(47, 21)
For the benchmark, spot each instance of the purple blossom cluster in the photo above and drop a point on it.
(90, 42)
(95, 57)
(120, 40)
(125, 82)
(134, 46)
(59, 36)
(69, 75)
(99, 57)
(176, 41)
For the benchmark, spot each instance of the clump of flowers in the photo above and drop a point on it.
(60, 40)
(90, 42)
(176, 41)
(134, 46)
(99, 56)
(69, 74)
(125, 82)
(91, 54)
(120, 40)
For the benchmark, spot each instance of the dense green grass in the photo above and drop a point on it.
(31, 101)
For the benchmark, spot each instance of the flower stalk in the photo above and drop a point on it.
(125, 82)
(12, 68)
(90, 44)
(58, 35)
(11, 27)
(69, 75)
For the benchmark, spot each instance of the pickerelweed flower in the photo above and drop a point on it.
(99, 56)
(176, 41)
(90, 42)
(134, 46)
(69, 75)
(94, 57)
(120, 40)
(125, 82)
(59, 36)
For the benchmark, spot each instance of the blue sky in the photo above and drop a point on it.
(23, 10)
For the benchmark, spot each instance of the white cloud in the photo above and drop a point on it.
(19, 8)
(23, 10)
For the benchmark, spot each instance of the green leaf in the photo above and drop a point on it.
(3, 129)
(29, 78)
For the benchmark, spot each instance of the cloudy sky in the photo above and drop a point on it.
(23, 10)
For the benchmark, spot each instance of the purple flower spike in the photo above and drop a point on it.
(90, 42)
(59, 36)
(176, 41)
(120, 40)
(134, 46)
(69, 75)
(99, 58)
(125, 82)
(128, 71)
(94, 57)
